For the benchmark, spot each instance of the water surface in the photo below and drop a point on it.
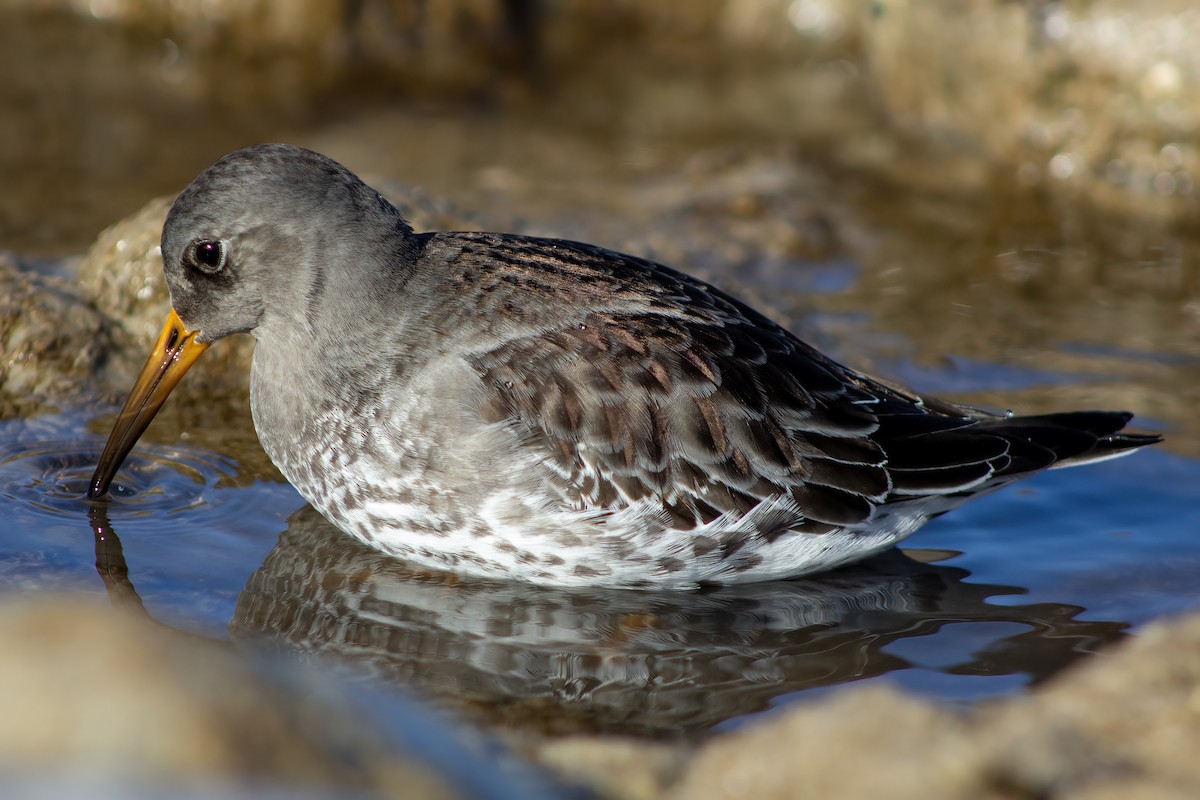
(983, 602)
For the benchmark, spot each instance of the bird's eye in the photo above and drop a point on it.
(209, 255)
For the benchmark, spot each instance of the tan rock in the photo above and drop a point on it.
(102, 696)
(1127, 719)
(1124, 724)
(628, 769)
(51, 342)
(1084, 98)
(867, 743)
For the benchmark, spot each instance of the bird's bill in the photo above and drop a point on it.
(175, 352)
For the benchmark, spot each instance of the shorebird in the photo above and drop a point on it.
(551, 411)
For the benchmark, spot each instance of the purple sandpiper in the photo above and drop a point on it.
(537, 409)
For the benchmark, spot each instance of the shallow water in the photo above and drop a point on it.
(982, 602)
(1013, 295)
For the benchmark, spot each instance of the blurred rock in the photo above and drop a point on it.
(115, 699)
(122, 274)
(107, 102)
(1123, 724)
(865, 743)
(51, 341)
(629, 769)
(1090, 100)
(1094, 99)
(1126, 724)
(100, 699)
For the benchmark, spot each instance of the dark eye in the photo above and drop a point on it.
(209, 255)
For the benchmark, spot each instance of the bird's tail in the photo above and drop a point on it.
(1049, 441)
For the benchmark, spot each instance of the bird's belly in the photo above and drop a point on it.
(463, 499)
(507, 534)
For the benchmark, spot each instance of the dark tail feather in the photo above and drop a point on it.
(967, 455)
(1072, 437)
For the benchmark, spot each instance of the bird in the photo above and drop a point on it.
(533, 409)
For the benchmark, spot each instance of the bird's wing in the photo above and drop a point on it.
(686, 397)
(712, 417)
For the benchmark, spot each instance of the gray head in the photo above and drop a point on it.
(259, 232)
(249, 245)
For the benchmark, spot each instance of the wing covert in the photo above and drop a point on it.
(710, 417)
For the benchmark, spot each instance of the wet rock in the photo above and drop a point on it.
(1089, 99)
(51, 341)
(109, 102)
(1124, 724)
(862, 743)
(107, 699)
(98, 698)
(122, 274)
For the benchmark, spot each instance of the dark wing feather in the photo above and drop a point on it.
(630, 407)
(658, 386)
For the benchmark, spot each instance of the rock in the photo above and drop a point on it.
(109, 699)
(1124, 724)
(51, 341)
(629, 769)
(100, 698)
(122, 273)
(872, 742)
(1090, 99)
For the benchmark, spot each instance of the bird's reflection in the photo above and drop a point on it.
(110, 562)
(656, 663)
(628, 661)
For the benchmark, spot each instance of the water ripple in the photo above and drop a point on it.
(52, 476)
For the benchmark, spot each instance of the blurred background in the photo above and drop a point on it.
(1004, 181)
